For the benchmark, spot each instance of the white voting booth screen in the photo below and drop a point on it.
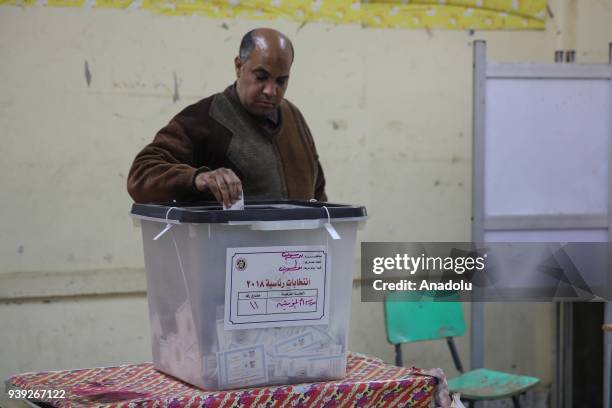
(546, 152)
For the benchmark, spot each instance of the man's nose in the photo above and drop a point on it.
(270, 89)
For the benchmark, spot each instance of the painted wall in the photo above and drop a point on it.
(83, 90)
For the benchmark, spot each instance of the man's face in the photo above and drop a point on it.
(263, 78)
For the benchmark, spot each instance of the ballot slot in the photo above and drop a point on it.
(231, 306)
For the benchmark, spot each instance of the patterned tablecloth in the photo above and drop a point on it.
(369, 383)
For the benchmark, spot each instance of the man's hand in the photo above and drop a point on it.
(223, 183)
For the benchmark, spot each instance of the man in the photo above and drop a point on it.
(246, 139)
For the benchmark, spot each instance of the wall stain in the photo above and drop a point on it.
(133, 85)
(300, 27)
(394, 125)
(20, 249)
(7, 103)
(338, 124)
(188, 95)
(160, 85)
(176, 96)
(120, 116)
(447, 183)
(87, 74)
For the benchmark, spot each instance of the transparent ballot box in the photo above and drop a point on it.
(253, 297)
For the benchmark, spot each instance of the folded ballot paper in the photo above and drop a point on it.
(238, 205)
(179, 351)
(250, 357)
(276, 355)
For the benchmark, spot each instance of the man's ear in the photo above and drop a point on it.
(237, 66)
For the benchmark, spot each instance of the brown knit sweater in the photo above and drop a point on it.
(273, 162)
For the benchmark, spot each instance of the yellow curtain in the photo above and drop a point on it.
(429, 14)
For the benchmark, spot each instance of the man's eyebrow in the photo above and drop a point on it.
(259, 69)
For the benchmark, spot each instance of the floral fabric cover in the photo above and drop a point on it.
(369, 383)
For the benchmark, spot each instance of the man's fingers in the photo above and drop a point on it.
(212, 186)
(239, 190)
(223, 189)
(223, 184)
(233, 183)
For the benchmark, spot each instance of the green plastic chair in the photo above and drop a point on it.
(424, 319)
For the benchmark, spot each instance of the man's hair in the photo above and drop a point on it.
(247, 45)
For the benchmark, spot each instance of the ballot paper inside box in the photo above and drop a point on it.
(253, 297)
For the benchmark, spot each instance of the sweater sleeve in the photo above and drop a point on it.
(164, 170)
(319, 185)
(320, 194)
